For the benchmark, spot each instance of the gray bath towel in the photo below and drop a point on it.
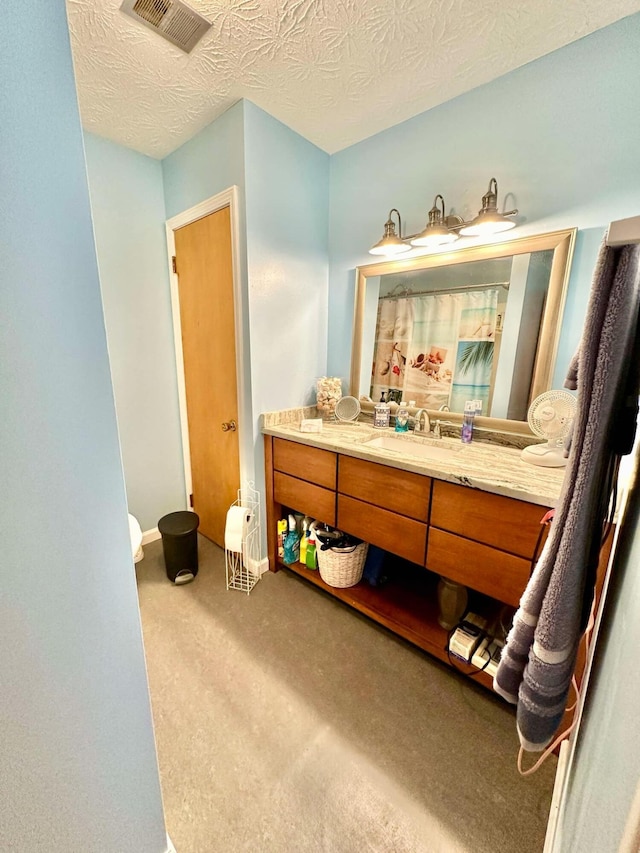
(539, 657)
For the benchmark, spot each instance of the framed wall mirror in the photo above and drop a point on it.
(481, 323)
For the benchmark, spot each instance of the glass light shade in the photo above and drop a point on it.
(488, 223)
(434, 235)
(389, 246)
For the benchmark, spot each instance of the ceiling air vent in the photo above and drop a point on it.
(171, 19)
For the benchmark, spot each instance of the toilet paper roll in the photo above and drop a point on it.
(237, 527)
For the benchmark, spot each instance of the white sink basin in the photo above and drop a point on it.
(412, 447)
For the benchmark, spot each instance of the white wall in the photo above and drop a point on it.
(77, 758)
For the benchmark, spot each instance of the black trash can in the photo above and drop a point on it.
(179, 531)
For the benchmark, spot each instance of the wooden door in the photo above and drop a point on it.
(205, 283)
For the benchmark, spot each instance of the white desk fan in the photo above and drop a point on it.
(550, 417)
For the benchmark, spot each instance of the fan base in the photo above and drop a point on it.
(545, 456)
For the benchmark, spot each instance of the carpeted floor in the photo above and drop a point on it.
(288, 723)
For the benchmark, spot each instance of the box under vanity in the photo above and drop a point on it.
(471, 514)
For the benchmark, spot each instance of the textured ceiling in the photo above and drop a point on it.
(336, 71)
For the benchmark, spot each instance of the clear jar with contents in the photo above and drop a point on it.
(328, 392)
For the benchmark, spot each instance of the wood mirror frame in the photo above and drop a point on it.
(561, 242)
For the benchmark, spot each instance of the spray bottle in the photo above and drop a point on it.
(304, 540)
(311, 556)
(291, 543)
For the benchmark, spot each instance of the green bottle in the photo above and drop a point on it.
(311, 556)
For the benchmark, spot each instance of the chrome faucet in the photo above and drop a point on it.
(422, 424)
(437, 427)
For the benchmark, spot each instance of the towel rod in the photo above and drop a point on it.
(623, 232)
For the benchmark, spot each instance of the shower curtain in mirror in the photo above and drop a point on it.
(393, 334)
(436, 349)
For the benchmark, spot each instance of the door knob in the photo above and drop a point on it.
(229, 426)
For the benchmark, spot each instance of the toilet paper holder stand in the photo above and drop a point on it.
(242, 540)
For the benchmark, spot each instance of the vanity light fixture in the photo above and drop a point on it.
(391, 243)
(438, 229)
(488, 220)
(442, 229)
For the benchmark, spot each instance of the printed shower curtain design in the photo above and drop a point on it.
(436, 349)
(393, 333)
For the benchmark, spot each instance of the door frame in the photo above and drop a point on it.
(226, 198)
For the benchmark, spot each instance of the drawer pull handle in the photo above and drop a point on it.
(229, 426)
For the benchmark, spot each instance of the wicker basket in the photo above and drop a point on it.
(342, 567)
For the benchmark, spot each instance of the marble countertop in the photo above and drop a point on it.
(478, 465)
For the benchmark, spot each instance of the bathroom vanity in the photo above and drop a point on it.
(471, 513)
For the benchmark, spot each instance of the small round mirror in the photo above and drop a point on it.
(347, 409)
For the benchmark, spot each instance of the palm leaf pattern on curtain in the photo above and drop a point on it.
(476, 354)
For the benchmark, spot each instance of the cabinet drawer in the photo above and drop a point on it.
(389, 488)
(307, 463)
(402, 536)
(305, 497)
(478, 566)
(506, 523)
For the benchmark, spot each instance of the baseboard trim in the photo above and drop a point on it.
(263, 565)
(150, 535)
(558, 785)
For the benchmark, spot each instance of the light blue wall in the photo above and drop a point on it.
(77, 752)
(212, 161)
(287, 209)
(127, 202)
(606, 774)
(287, 202)
(559, 133)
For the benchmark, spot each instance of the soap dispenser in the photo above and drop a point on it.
(402, 417)
(381, 416)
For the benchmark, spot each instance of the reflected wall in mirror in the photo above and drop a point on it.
(478, 324)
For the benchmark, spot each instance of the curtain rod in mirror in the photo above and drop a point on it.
(405, 293)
